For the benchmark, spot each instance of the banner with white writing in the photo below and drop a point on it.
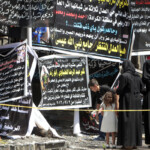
(98, 27)
(13, 72)
(15, 120)
(64, 81)
(140, 14)
(27, 13)
(15, 115)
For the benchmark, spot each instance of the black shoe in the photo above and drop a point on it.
(99, 139)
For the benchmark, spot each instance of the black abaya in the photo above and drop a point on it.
(129, 123)
(146, 101)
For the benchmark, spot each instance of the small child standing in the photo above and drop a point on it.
(110, 121)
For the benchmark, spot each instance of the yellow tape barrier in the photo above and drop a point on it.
(3, 141)
(77, 109)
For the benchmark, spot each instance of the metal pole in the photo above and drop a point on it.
(29, 42)
(29, 36)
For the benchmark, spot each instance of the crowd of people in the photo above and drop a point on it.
(120, 108)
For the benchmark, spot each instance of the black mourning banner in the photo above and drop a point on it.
(105, 72)
(27, 12)
(12, 72)
(64, 81)
(140, 14)
(142, 43)
(97, 27)
(15, 120)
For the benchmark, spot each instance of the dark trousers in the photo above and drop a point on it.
(101, 134)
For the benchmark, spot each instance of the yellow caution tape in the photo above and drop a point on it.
(66, 109)
(2, 141)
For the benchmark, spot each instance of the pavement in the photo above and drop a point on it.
(69, 142)
(87, 142)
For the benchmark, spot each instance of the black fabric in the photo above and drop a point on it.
(146, 100)
(99, 94)
(129, 123)
(129, 67)
(146, 73)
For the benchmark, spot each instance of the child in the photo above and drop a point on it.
(109, 122)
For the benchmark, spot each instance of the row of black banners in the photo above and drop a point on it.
(98, 26)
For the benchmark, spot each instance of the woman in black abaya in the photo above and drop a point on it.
(146, 101)
(129, 122)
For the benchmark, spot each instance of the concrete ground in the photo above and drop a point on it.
(70, 142)
(87, 143)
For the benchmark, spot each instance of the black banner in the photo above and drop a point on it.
(140, 14)
(27, 13)
(105, 72)
(12, 72)
(14, 120)
(142, 43)
(64, 81)
(96, 27)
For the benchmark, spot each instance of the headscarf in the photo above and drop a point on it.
(146, 71)
(129, 67)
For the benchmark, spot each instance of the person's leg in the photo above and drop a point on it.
(107, 138)
(101, 134)
(113, 137)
